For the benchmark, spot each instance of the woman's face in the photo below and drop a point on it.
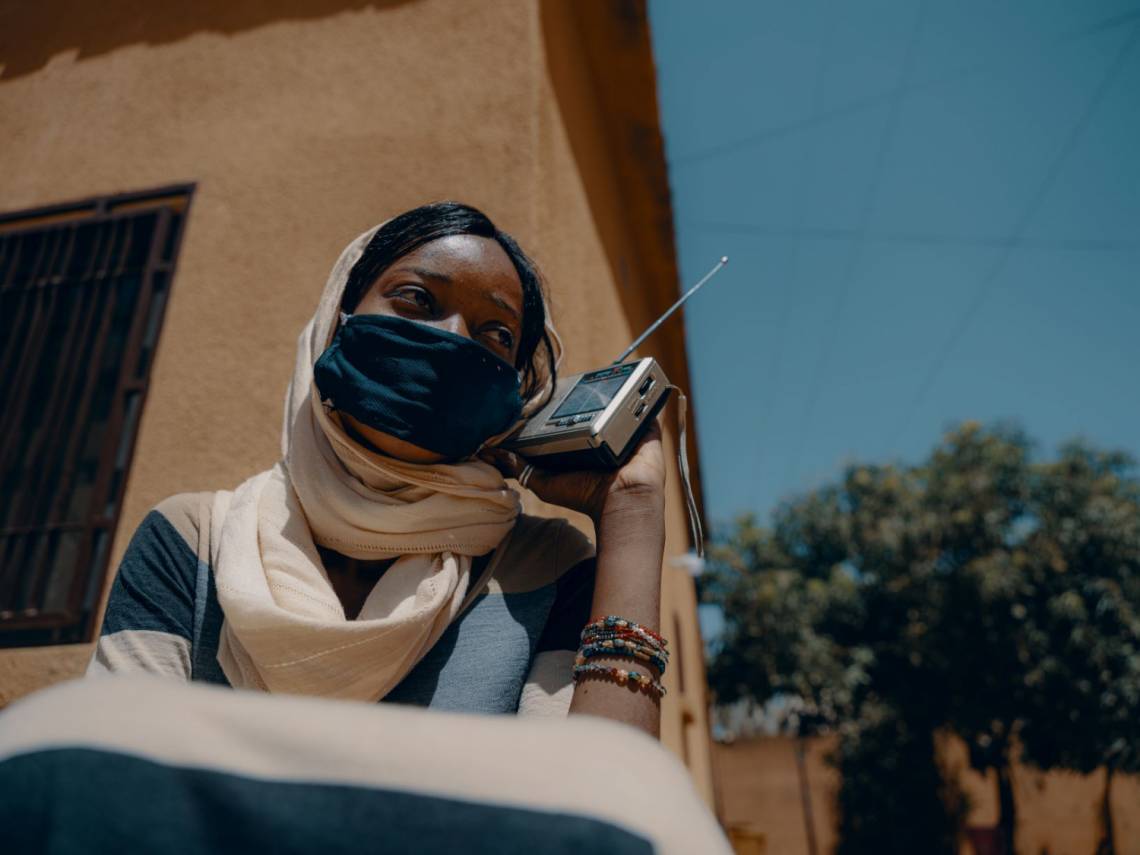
(463, 284)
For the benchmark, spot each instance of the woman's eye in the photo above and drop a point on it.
(418, 296)
(503, 336)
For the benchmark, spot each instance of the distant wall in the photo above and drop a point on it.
(302, 124)
(759, 789)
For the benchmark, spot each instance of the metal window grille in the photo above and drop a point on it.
(83, 290)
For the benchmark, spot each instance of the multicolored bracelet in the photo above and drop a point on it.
(626, 644)
(635, 680)
(612, 622)
(625, 635)
(639, 638)
(624, 639)
(625, 647)
(614, 636)
(592, 651)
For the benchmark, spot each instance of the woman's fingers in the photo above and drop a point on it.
(515, 466)
(508, 463)
(651, 435)
(559, 488)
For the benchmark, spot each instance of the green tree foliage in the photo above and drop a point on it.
(921, 809)
(1085, 634)
(980, 592)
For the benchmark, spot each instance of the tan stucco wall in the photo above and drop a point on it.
(303, 124)
(760, 796)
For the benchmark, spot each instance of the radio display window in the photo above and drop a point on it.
(589, 396)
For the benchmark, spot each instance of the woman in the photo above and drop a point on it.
(385, 557)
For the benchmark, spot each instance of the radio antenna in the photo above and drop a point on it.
(653, 327)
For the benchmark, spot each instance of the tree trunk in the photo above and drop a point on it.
(1007, 816)
(805, 795)
(1107, 845)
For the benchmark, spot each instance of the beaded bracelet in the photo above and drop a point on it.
(610, 622)
(620, 637)
(627, 646)
(591, 651)
(634, 679)
(613, 636)
(633, 642)
(633, 638)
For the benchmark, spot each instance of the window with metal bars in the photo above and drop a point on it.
(83, 290)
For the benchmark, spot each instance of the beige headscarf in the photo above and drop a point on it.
(285, 630)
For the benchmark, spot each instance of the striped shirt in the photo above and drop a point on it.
(511, 651)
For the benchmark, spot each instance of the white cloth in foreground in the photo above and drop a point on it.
(134, 763)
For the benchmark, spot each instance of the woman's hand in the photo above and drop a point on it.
(592, 492)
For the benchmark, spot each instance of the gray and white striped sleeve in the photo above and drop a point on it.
(148, 624)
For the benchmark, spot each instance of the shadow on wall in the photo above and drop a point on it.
(585, 41)
(32, 33)
(599, 58)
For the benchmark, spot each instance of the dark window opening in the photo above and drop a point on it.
(83, 291)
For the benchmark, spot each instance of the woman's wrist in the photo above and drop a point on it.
(631, 544)
(644, 504)
(631, 538)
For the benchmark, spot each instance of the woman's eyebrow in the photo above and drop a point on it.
(503, 304)
(425, 273)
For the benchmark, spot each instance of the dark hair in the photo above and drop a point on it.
(412, 229)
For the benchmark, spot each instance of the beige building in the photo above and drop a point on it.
(252, 141)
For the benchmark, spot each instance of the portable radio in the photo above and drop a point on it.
(594, 420)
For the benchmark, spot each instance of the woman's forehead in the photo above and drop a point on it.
(466, 260)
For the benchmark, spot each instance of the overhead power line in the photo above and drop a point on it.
(871, 101)
(1027, 214)
(855, 251)
(919, 238)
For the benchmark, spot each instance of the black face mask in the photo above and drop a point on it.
(437, 390)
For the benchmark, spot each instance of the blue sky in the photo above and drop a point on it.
(932, 212)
